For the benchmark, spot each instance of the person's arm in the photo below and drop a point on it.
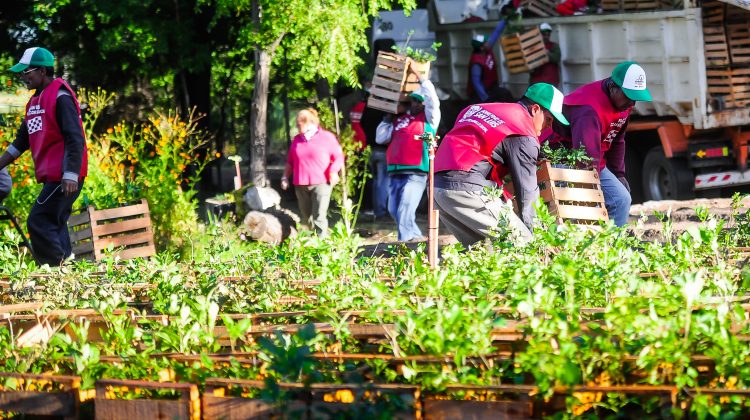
(616, 157)
(68, 120)
(520, 154)
(495, 34)
(585, 129)
(384, 131)
(476, 82)
(337, 161)
(554, 53)
(431, 103)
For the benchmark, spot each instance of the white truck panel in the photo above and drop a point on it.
(668, 44)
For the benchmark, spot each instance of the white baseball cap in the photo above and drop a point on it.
(545, 27)
(631, 77)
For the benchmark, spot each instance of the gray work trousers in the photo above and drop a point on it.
(313, 203)
(472, 216)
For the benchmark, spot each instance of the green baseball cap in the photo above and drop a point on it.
(631, 78)
(34, 57)
(416, 95)
(549, 98)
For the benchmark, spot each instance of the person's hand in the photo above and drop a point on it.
(333, 179)
(284, 183)
(69, 187)
(624, 182)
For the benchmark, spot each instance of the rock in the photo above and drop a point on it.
(271, 226)
(261, 198)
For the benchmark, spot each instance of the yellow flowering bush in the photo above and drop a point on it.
(25, 187)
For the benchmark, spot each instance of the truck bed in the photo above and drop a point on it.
(668, 44)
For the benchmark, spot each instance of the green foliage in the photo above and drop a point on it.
(417, 54)
(573, 158)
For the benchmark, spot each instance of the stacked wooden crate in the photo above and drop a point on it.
(616, 6)
(524, 51)
(543, 8)
(726, 38)
(393, 81)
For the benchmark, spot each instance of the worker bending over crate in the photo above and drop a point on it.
(488, 142)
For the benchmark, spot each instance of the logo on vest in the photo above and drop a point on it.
(34, 124)
(479, 116)
(35, 110)
(403, 122)
(614, 129)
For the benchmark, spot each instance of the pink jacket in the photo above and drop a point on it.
(313, 161)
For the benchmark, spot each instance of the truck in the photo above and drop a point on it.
(692, 140)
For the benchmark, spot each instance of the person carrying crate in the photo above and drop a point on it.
(598, 113)
(488, 142)
(52, 129)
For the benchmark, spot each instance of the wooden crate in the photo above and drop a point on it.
(635, 5)
(738, 37)
(316, 401)
(108, 406)
(611, 5)
(127, 229)
(40, 395)
(715, 46)
(392, 81)
(524, 51)
(729, 86)
(543, 8)
(573, 195)
(713, 12)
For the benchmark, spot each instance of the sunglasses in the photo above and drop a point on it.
(29, 71)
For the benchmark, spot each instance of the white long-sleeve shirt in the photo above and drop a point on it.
(431, 109)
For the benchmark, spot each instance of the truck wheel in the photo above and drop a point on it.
(666, 179)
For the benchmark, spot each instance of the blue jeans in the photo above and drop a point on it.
(616, 197)
(48, 224)
(379, 183)
(404, 193)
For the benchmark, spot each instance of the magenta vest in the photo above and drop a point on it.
(45, 138)
(478, 130)
(610, 120)
(404, 149)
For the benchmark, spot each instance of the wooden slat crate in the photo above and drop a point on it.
(316, 401)
(638, 5)
(738, 37)
(524, 51)
(392, 81)
(497, 403)
(611, 5)
(127, 229)
(573, 195)
(108, 406)
(543, 8)
(40, 395)
(730, 86)
(715, 45)
(713, 12)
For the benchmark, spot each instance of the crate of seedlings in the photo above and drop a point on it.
(572, 195)
(125, 229)
(524, 51)
(243, 399)
(40, 395)
(393, 81)
(131, 399)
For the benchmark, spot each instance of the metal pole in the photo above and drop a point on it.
(433, 216)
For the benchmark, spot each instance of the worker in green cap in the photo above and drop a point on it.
(52, 130)
(407, 159)
(483, 85)
(598, 113)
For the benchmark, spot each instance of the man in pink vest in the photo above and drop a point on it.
(483, 84)
(407, 158)
(488, 142)
(598, 115)
(53, 131)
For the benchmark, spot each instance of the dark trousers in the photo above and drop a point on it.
(48, 224)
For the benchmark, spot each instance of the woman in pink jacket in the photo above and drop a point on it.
(315, 159)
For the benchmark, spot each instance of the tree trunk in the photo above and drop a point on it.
(258, 119)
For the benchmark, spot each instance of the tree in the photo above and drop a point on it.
(324, 37)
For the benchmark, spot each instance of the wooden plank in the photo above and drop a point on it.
(547, 172)
(78, 219)
(20, 307)
(572, 194)
(496, 410)
(139, 252)
(83, 248)
(100, 230)
(237, 408)
(386, 94)
(581, 212)
(375, 103)
(105, 409)
(386, 84)
(79, 235)
(62, 404)
(127, 211)
(125, 240)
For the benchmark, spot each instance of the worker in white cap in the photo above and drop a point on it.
(483, 85)
(550, 71)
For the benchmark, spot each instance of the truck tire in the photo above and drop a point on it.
(666, 179)
(634, 173)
